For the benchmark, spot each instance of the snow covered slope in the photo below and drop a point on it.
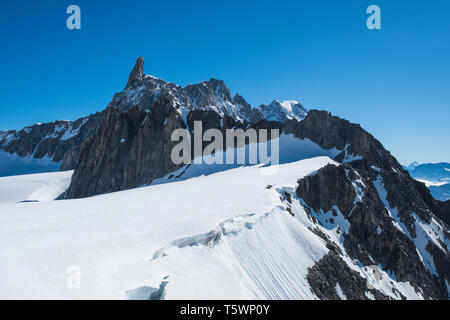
(112, 237)
(34, 187)
(198, 238)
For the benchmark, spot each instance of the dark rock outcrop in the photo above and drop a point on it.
(51, 140)
(71, 157)
(137, 73)
(372, 237)
(331, 271)
(333, 132)
(328, 187)
(130, 149)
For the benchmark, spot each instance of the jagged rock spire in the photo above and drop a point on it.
(137, 73)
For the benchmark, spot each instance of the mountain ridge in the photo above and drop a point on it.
(61, 140)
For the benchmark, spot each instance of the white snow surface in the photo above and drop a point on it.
(339, 292)
(258, 256)
(215, 232)
(34, 187)
(112, 238)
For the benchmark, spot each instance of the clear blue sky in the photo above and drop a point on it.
(395, 81)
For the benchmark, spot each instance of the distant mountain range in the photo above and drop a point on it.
(436, 177)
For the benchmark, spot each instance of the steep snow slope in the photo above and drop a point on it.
(223, 235)
(113, 237)
(34, 187)
(258, 257)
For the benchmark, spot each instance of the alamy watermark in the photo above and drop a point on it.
(73, 22)
(374, 20)
(73, 280)
(239, 146)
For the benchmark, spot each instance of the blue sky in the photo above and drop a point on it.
(395, 81)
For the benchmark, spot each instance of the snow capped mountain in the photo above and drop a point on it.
(282, 111)
(436, 177)
(412, 165)
(62, 140)
(213, 95)
(431, 171)
(43, 146)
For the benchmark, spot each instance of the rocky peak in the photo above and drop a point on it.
(220, 89)
(283, 111)
(144, 90)
(238, 99)
(209, 94)
(294, 110)
(137, 73)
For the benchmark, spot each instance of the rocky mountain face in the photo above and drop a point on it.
(376, 234)
(130, 149)
(209, 101)
(51, 140)
(386, 217)
(282, 111)
(393, 220)
(332, 272)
